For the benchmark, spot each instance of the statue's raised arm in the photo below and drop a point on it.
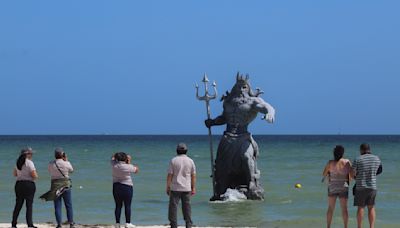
(265, 108)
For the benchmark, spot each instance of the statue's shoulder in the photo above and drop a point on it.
(226, 103)
(256, 100)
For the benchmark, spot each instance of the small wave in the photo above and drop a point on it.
(286, 202)
(232, 195)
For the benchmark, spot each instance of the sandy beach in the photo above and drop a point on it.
(7, 225)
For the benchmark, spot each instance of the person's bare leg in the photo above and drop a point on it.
(371, 216)
(360, 215)
(331, 209)
(345, 213)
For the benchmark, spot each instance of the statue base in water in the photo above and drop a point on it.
(241, 193)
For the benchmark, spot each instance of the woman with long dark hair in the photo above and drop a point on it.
(25, 173)
(122, 170)
(338, 171)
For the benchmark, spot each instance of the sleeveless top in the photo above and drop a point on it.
(338, 177)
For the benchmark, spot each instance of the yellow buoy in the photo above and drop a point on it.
(297, 185)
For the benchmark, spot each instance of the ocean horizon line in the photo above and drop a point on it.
(219, 134)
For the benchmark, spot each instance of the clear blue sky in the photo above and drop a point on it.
(129, 67)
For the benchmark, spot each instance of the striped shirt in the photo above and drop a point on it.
(365, 168)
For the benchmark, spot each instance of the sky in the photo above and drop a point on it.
(129, 67)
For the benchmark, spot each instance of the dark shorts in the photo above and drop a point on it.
(344, 194)
(364, 197)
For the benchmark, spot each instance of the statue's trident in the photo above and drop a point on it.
(207, 97)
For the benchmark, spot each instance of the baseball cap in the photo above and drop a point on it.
(181, 146)
(59, 151)
(27, 150)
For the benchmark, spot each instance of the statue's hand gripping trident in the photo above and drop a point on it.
(207, 98)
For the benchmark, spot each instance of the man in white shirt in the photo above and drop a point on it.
(181, 185)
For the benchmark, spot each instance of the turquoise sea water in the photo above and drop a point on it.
(284, 161)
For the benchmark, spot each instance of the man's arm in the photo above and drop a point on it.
(193, 178)
(380, 169)
(169, 181)
(264, 107)
(350, 168)
(353, 172)
(193, 183)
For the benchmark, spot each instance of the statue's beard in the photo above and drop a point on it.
(244, 94)
(240, 97)
(237, 93)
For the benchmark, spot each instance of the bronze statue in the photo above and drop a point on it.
(236, 161)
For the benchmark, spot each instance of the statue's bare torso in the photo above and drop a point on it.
(239, 113)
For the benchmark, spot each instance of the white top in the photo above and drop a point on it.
(121, 172)
(182, 168)
(25, 174)
(65, 168)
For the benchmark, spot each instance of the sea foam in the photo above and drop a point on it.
(233, 195)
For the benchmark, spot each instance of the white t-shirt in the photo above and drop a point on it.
(121, 172)
(25, 174)
(65, 167)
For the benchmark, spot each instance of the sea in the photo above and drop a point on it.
(285, 160)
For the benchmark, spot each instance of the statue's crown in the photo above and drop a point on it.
(241, 78)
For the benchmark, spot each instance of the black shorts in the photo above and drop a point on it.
(364, 197)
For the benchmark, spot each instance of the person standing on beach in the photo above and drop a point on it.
(338, 171)
(61, 188)
(25, 188)
(122, 186)
(366, 167)
(181, 185)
